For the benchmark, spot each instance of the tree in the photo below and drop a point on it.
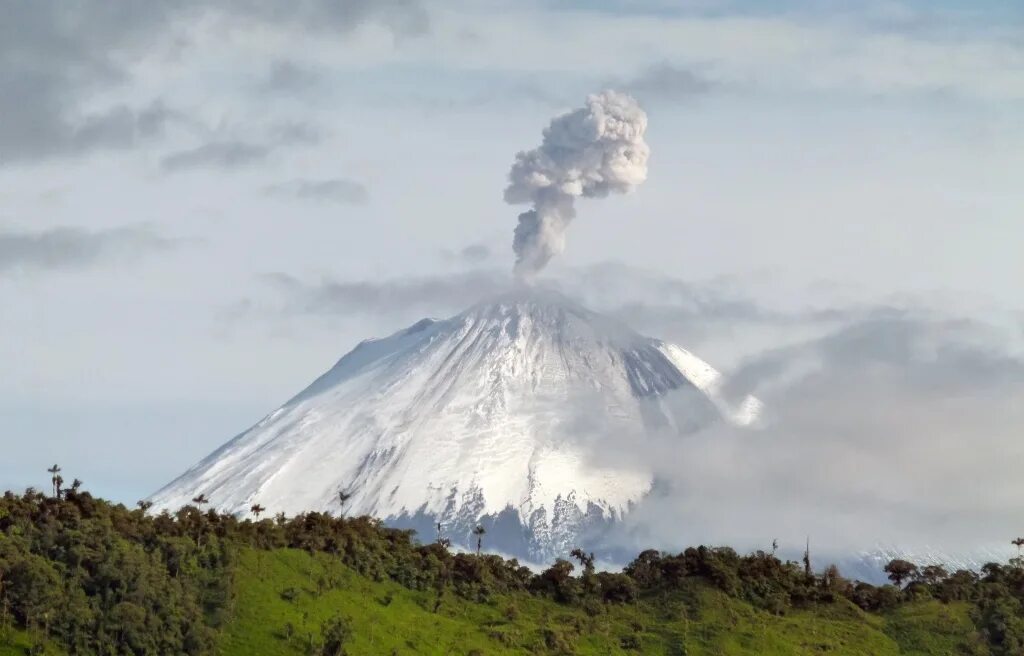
(256, 509)
(1019, 542)
(200, 500)
(441, 540)
(144, 505)
(76, 485)
(586, 560)
(54, 471)
(479, 532)
(334, 633)
(899, 571)
(807, 559)
(343, 498)
(58, 481)
(933, 574)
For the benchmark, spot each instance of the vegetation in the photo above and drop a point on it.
(79, 575)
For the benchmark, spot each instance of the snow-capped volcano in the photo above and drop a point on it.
(485, 416)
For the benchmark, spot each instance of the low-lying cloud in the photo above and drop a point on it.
(897, 430)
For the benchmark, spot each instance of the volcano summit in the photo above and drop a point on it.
(491, 416)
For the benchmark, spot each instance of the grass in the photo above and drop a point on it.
(930, 627)
(694, 621)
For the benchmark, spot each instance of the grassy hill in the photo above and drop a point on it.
(79, 575)
(697, 620)
(275, 590)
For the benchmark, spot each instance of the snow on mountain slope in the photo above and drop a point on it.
(484, 414)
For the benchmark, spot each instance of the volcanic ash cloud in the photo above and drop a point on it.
(589, 152)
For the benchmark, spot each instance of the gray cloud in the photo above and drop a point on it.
(669, 82)
(402, 296)
(229, 153)
(475, 253)
(74, 248)
(219, 154)
(335, 190)
(296, 133)
(403, 17)
(289, 77)
(897, 429)
(56, 55)
(650, 302)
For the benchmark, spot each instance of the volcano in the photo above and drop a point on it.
(489, 417)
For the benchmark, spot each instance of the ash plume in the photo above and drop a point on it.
(589, 152)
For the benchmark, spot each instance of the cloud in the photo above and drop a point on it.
(896, 429)
(334, 190)
(296, 133)
(218, 154)
(403, 296)
(667, 81)
(75, 248)
(475, 253)
(230, 153)
(402, 17)
(55, 57)
(289, 77)
(650, 302)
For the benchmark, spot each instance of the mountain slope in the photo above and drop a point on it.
(495, 413)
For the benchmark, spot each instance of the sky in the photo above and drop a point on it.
(204, 205)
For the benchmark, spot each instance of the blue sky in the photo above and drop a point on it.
(202, 211)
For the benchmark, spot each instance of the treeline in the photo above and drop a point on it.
(97, 577)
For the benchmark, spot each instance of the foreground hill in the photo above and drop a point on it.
(276, 609)
(694, 619)
(81, 576)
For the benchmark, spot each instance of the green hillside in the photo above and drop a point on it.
(79, 575)
(695, 620)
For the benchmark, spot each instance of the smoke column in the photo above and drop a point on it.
(588, 152)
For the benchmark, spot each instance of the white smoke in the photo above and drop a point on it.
(589, 152)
